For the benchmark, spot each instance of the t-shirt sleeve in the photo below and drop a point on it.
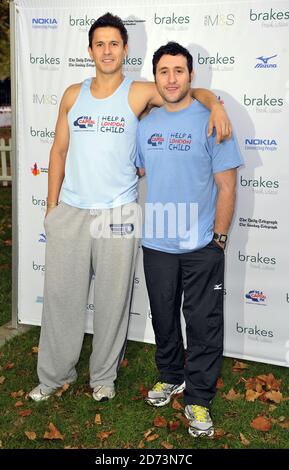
(225, 155)
(140, 161)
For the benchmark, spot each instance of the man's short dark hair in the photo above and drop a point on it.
(112, 21)
(172, 48)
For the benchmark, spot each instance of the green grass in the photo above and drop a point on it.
(5, 254)
(73, 414)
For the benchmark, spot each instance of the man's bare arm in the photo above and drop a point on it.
(59, 148)
(218, 117)
(226, 184)
(144, 96)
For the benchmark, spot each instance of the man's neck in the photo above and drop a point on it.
(183, 104)
(104, 85)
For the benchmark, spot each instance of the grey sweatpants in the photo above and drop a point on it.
(81, 242)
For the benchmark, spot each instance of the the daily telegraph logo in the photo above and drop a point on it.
(44, 99)
(264, 103)
(266, 62)
(256, 259)
(255, 331)
(220, 20)
(44, 23)
(260, 185)
(80, 62)
(248, 222)
(156, 140)
(270, 18)
(45, 61)
(35, 170)
(256, 297)
(261, 145)
(84, 123)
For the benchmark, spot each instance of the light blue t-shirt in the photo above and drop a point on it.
(180, 161)
(100, 165)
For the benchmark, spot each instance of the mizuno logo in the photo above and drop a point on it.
(265, 59)
(218, 286)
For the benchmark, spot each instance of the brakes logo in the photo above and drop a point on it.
(256, 296)
(84, 122)
(156, 140)
(264, 62)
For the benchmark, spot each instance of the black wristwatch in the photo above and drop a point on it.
(221, 238)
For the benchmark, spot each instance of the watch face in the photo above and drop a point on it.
(223, 238)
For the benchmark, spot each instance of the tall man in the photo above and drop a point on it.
(94, 226)
(190, 202)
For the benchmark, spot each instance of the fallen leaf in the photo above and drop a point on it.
(124, 363)
(284, 425)
(274, 396)
(261, 423)
(127, 446)
(160, 422)
(148, 432)
(225, 446)
(239, 366)
(18, 394)
(143, 391)
(272, 407)
(232, 395)
(251, 395)
(97, 419)
(9, 365)
(152, 437)
(220, 383)
(176, 405)
(167, 445)
(2, 379)
(183, 419)
(141, 445)
(53, 433)
(62, 390)
(219, 432)
(31, 435)
(104, 435)
(243, 439)
(173, 425)
(18, 404)
(35, 350)
(25, 413)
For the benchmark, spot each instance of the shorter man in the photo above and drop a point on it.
(190, 201)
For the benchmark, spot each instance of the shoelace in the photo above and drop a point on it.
(200, 413)
(159, 386)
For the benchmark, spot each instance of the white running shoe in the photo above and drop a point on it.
(103, 392)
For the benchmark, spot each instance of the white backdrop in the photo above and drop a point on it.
(240, 50)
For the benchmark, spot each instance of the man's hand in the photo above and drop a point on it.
(219, 119)
(48, 210)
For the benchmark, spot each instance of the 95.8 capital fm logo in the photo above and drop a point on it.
(256, 297)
